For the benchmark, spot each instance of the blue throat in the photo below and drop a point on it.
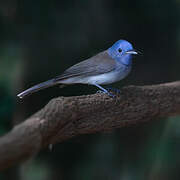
(126, 60)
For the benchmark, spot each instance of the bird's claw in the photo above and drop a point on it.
(108, 93)
(117, 91)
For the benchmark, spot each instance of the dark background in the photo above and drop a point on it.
(39, 39)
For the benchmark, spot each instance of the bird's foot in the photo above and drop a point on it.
(117, 91)
(108, 93)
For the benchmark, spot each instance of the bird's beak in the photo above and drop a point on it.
(132, 52)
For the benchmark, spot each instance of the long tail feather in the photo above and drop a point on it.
(37, 87)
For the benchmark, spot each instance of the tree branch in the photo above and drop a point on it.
(65, 117)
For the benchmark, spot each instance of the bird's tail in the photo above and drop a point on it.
(37, 87)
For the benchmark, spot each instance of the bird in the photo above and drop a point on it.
(107, 67)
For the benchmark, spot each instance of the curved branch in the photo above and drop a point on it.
(65, 117)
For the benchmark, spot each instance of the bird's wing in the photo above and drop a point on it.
(99, 64)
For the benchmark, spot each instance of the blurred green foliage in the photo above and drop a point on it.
(39, 39)
(8, 71)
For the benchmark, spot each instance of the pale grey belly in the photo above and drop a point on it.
(106, 78)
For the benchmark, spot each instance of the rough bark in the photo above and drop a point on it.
(65, 117)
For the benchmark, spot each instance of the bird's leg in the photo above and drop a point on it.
(50, 147)
(104, 91)
(117, 91)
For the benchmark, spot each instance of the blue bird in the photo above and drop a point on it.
(107, 67)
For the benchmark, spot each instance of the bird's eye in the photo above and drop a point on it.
(120, 50)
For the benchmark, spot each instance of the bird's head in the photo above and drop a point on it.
(122, 51)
